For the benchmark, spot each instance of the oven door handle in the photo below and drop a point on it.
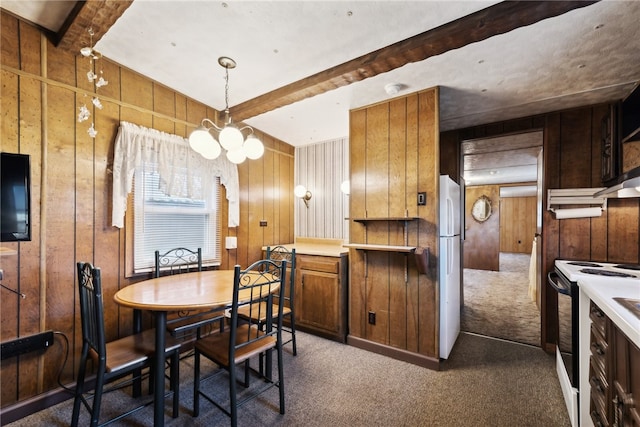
(557, 284)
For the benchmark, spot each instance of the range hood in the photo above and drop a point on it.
(628, 185)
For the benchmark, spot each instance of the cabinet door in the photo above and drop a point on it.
(317, 300)
(626, 380)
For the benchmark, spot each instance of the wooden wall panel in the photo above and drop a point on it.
(517, 224)
(413, 186)
(400, 142)
(357, 159)
(10, 41)
(75, 195)
(397, 190)
(623, 229)
(30, 58)
(10, 303)
(429, 181)
(377, 205)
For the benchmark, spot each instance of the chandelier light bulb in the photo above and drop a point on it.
(253, 148)
(236, 156)
(231, 137)
(200, 138)
(212, 150)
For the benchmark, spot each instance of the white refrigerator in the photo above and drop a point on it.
(450, 203)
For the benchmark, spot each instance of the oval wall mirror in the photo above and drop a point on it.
(481, 209)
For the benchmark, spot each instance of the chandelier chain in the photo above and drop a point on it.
(226, 89)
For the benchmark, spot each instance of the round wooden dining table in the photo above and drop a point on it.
(188, 291)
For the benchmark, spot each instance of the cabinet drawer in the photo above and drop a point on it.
(599, 350)
(598, 421)
(598, 318)
(598, 378)
(324, 264)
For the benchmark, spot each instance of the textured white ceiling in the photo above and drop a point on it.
(585, 56)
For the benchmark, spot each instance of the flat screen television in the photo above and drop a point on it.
(15, 202)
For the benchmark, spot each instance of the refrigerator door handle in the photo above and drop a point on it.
(449, 257)
(449, 217)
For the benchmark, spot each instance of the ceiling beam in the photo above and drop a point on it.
(497, 19)
(99, 15)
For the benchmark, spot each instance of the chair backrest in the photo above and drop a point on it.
(280, 253)
(91, 309)
(178, 261)
(259, 283)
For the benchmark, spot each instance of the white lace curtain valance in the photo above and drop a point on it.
(177, 163)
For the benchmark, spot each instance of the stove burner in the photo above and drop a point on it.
(584, 264)
(605, 273)
(628, 266)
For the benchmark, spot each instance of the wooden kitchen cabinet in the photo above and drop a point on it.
(614, 374)
(321, 295)
(625, 387)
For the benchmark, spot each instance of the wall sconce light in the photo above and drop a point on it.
(301, 192)
(345, 187)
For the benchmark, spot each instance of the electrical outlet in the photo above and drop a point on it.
(263, 223)
(422, 198)
(372, 317)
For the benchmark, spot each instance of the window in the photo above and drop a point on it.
(162, 222)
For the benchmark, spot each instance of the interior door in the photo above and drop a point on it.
(482, 239)
(538, 236)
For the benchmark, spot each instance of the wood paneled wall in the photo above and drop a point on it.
(42, 89)
(517, 224)
(572, 147)
(394, 152)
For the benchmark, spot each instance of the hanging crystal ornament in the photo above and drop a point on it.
(92, 132)
(84, 113)
(92, 77)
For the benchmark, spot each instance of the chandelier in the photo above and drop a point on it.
(230, 137)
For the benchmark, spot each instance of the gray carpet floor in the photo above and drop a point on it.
(485, 382)
(496, 303)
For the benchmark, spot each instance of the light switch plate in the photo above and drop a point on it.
(422, 198)
(231, 242)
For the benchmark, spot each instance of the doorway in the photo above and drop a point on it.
(501, 277)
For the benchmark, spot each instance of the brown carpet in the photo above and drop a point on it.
(496, 303)
(486, 382)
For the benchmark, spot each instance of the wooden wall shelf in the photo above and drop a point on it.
(397, 218)
(383, 248)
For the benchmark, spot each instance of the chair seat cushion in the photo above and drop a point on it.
(258, 312)
(134, 349)
(216, 346)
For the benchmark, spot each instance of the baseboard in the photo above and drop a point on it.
(395, 353)
(35, 404)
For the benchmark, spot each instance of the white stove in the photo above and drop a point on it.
(576, 270)
(565, 280)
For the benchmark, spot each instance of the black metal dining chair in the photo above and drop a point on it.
(255, 287)
(114, 360)
(187, 326)
(287, 304)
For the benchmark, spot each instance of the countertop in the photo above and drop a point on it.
(320, 247)
(602, 292)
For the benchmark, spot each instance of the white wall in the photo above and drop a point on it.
(321, 168)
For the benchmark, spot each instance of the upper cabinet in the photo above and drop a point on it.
(620, 134)
(630, 116)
